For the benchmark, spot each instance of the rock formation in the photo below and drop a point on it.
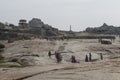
(35, 22)
(44, 30)
(104, 29)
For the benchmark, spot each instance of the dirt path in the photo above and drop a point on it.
(21, 73)
(85, 71)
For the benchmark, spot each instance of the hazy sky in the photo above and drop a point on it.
(62, 13)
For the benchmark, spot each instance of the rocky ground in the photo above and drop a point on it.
(35, 54)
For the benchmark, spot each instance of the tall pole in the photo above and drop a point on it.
(70, 28)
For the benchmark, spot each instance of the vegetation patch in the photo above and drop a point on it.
(2, 46)
(9, 64)
(89, 37)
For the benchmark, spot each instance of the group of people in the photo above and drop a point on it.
(57, 56)
(88, 58)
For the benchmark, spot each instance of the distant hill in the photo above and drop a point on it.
(36, 28)
(104, 29)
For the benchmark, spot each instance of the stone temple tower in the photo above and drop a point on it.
(70, 28)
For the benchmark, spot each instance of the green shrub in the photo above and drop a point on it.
(2, 46)
(9, 65)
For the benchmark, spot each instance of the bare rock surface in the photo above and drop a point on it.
(34, 54)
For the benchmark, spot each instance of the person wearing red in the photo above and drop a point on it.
(73, 59)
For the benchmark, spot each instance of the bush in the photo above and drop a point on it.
(10, 40)
(1, 57)
(2, 46)
(89, 37)
(1, 49)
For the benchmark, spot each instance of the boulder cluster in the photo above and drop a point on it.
(104, 29)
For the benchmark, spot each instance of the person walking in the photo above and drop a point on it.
(101, 56)
(90, 57)
(86, 58)
(58, 57)
(49, 54)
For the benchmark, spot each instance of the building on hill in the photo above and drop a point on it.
(23, 24)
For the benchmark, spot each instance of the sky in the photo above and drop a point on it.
(60, 14)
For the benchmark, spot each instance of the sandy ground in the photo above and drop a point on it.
(48, 69)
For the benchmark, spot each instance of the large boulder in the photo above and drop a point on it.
(106, 42)
(41, 29)
(31, 60)
(24, 60)
(35, 22)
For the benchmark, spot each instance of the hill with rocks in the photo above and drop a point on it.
(104, 29)
(34, 28)
(40, 28)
